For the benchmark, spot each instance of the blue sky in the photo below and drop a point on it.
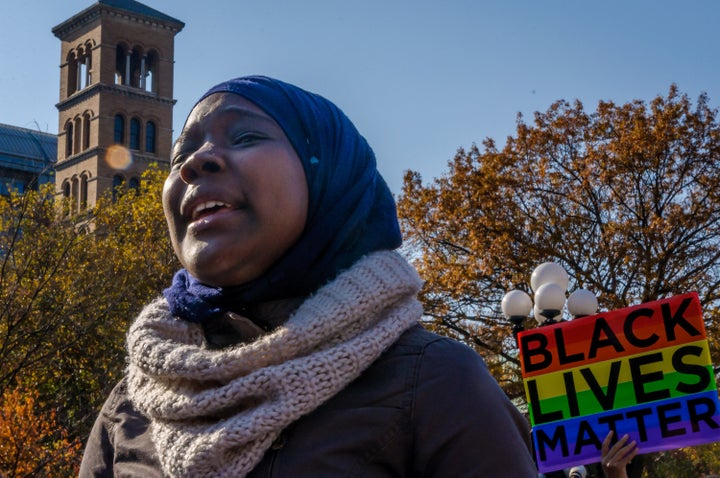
(419, 78)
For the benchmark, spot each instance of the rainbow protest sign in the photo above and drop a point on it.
(643, 370)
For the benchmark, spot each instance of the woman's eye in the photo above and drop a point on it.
(181, 150)
(245, 138)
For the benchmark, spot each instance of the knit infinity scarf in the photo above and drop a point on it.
(215, 412)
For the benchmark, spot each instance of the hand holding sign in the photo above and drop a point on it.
(615, 458)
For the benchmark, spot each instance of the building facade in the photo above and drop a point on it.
(116, 97)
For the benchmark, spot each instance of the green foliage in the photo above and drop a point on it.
(69, 287)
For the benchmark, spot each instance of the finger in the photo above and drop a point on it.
(629, 452)
(606, 442)
(620, 443)
(633, 454)
(615, 453)
(621, 461)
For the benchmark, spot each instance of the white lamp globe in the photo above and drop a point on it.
(539, 318)
(516, 303)
(550, 296)
(582, 302)
(549, 273)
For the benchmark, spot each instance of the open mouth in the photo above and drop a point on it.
(207, 208)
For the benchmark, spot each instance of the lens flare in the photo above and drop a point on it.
(118, 157)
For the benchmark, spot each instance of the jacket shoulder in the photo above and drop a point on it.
(457, 409)
(119, 443)
(435, 348)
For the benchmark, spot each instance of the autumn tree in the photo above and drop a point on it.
(626, 198)
(30, 442)
(69, 286)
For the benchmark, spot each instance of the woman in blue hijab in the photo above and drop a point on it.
(289, 344)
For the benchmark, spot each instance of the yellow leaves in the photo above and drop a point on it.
(67, 295)
(692, 462)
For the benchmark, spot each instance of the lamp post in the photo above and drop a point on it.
(582, 302)
(516, 306)
(549, 283)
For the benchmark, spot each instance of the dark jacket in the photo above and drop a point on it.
(428, 407)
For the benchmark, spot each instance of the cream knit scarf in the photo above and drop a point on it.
(215, 412)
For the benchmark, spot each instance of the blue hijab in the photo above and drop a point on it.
(351, 211)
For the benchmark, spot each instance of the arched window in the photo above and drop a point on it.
(134, 133)
(68, 139)
(120, 66)
(77, 140)
(119, 136)
(150, 72)
(134, 71)
(67, 193)
(117, 184)
(134, 184)
(150, 137)
(83, 71)
(87, 67)
(72, 73)
(83, 191)
(86, 131)
(74, 193)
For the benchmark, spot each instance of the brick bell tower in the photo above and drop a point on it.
(116, 97)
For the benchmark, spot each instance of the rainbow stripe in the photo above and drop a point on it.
(553, 389)
(644, 370)
(577, 335)
(662, 425)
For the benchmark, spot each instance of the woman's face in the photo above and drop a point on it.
(236, 197)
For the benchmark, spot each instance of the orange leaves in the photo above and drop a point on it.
(31, 439)
(626, 197)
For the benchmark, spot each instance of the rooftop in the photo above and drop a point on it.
(128, 6)
(139, 8)
(27, 144)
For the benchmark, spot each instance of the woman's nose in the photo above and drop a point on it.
(206, 160)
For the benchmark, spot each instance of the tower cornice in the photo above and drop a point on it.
(122, 90)
(127, 9)
(98, 152)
